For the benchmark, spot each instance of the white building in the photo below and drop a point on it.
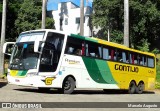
(67, 18)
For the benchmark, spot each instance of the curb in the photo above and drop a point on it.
(3, 80)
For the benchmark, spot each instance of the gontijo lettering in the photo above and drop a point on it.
(126, 68)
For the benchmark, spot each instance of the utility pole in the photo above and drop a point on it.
(44, 4)
(3, 30)
(82, 18)
(126, 23)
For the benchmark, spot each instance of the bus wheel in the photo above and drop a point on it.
(132, 87)
(140, 88)
(68, 85)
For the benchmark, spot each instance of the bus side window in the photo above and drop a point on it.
(100, 51)
(150, 62)
(83, 49)
(93, 50)
(112, 54)
(70, 50)
(144, 59)
(87, 54)
(119, 56)
(105, 53)
(78, 52)
(140, 61)
(131, 58)
(124, 57)
(135, 59)
(74, 46)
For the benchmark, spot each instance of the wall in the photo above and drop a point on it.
(67, 10)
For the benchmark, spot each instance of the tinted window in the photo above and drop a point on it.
(75, 46)
(150, 62)
(93, 50)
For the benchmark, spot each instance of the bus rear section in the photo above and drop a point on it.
(106, 65)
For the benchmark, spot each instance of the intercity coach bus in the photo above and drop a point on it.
(52, 59)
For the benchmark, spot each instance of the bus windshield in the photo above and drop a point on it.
(23, 57)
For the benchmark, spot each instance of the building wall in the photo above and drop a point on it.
(65, 18)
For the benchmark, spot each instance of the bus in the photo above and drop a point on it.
(48, 58)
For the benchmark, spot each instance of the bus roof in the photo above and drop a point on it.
(116, 45)
(48, 30)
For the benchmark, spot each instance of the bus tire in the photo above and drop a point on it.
(132, 87)
(140, 88)
(68, 85)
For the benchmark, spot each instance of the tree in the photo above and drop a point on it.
(144, 23)
(108, 14)
(29, 16)
(3, 29)
(144, 19)
(12, 8)
(49, 23)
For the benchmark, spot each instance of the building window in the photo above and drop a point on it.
(66, 21)
(78, 20)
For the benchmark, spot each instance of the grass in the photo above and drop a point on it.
(4, 75)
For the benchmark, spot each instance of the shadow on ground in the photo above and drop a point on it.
(2, 84)
(108, 92)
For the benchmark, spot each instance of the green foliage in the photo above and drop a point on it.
(117, 36)
(1, 6)
(13, 7)
(144, 21)
(29, 16)
(144, 46)
(155, 51)
(49, 23)
(23, 15)
(108, 15)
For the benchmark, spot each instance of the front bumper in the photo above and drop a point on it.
(33, 81)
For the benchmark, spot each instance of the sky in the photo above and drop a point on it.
(53, 4)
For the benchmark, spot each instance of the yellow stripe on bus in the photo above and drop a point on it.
(13, 72)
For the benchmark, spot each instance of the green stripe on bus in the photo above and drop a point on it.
(77, 36)
(99, 70)
(84, 38)
(90, 39)
(22, 73)
(105, 71)
(93, 70)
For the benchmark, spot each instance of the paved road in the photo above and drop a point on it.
(12, 93)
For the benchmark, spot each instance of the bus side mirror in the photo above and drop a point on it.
(37, 45)
(8, 47)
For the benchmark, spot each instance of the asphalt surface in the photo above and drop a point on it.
(13, 93)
